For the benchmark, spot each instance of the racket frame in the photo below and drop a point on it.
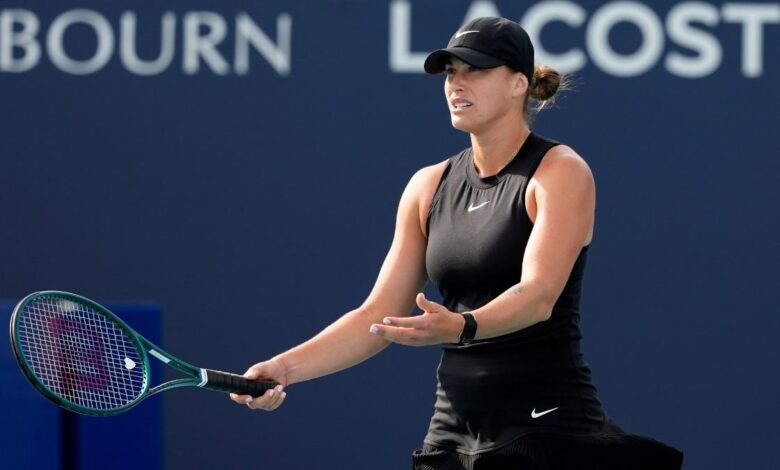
(196, 376)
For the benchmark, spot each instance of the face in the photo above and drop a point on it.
(480, 98)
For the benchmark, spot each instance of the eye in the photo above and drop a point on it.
(474, 68)
(449, 70)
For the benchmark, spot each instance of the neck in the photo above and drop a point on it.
(493, 152)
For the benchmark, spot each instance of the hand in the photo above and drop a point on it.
(436, 325)
(272, 399)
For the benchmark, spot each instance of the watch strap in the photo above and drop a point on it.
(469, 329)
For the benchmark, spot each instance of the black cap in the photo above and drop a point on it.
(487, 43)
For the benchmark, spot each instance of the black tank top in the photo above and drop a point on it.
(495, 390)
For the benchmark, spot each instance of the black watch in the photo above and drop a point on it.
(469, 329)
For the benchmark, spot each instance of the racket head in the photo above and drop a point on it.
(78, 354)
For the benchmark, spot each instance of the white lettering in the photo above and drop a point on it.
(127, 46)
(544, 13)
(24, 39)
(753, 16)
(690, 26)
(637, 63)
(197, 46)
(402, 59)
(279, 56)
(680, 30)
(104, 35)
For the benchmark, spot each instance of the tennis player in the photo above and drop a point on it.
(503, 230)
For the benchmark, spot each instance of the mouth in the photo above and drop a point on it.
(460, 105)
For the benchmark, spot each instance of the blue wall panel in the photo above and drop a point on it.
(30, 430)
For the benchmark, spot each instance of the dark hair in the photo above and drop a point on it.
(542, 89)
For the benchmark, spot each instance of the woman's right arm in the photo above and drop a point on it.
(347, 341)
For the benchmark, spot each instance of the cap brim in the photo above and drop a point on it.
(438, 59)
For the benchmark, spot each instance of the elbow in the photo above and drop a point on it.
(544, 307)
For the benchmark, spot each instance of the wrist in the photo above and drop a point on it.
(282, 365)
(460, 322)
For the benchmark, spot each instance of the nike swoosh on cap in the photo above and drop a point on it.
(462, 33)
(535, 415)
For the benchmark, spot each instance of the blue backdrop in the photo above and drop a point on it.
(240, 163)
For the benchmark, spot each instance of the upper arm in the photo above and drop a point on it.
(403, 272)
(561, 200)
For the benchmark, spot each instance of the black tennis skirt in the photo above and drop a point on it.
(609, 450)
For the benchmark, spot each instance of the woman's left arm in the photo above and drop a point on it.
(565, 198)
(561, 202)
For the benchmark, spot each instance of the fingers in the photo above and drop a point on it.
(257, 371)
(272, 398)
(406, 322)
(414, 331)
(419, 321)
(422, 302)
(434, 326)
(428, 306)
(269, 401)
(406, 336)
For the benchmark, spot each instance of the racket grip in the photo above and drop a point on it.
(234, 383)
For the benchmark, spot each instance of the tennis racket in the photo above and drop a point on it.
(84, 358)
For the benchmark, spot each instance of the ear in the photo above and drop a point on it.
(519, 85)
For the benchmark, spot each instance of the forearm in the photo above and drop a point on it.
(343, 344)
(519, 307)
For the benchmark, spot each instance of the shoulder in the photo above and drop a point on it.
(420, 191)
(424, 182)
(426, 179)
(430, 174)
(563, 164)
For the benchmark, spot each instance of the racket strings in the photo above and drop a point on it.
(80, 354)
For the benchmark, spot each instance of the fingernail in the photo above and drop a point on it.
(284, 395)
(386, 321)
(374, 329)
(271, 393)
(279, 388)
(248, 400)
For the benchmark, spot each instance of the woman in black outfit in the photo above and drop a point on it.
(502, 228)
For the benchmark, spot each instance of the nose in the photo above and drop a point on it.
(455, 81)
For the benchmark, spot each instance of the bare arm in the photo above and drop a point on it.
(347, 341)
(562, 207)
(561, 202)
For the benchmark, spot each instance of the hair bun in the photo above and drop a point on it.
(546, 82)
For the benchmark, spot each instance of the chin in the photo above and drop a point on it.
(459, 124)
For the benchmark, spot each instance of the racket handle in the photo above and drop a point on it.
(234, 383)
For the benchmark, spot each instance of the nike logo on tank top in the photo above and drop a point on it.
(488, 391)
